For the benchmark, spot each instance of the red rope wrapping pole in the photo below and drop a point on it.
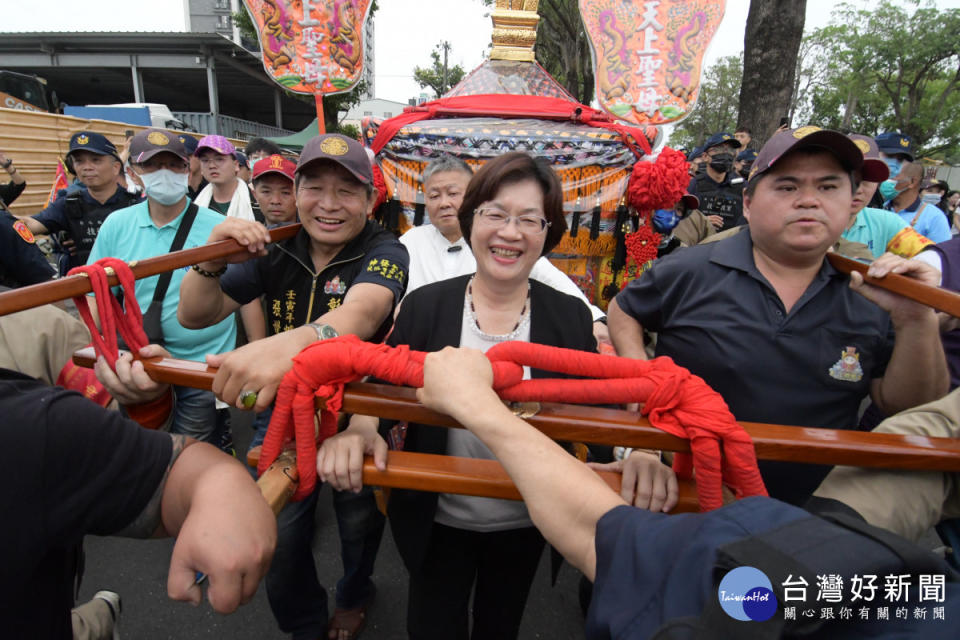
(113, 317)
(675, 401)
(129, 322)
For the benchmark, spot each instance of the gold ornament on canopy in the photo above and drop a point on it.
(514, 30)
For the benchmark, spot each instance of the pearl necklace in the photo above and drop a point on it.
(518, 329)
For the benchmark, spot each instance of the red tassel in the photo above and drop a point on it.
(380, 185)
(660, 184)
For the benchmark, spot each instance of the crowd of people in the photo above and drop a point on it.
(745, 299)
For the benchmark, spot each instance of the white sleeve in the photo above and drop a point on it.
(933, 259)
(544, 271)
(415, 275)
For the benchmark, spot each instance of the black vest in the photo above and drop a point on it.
(85, 218)
(294, 295)
(724, 199)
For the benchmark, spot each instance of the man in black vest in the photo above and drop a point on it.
(341, 274)
(79, 210)
(720, 188)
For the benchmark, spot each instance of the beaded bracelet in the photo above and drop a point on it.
(210, 274)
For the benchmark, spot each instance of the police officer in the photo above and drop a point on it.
(744, 161)
(21, 262)
(720, 188)
(79, 210)
(895, 149)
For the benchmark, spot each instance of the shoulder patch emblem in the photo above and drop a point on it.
(158, 139)
(333, 147)
(847, 368)
(23, 231)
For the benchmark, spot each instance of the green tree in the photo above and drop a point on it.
(439, 76)
(887, 68)
(563, 48)
(717, 105)
(771, 41)
(334, 106)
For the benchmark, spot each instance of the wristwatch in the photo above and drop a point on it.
(324, 331)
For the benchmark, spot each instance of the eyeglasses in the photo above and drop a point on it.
(498, 219)
(216, 158)
(176, 166)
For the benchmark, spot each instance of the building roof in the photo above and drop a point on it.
(96, 68)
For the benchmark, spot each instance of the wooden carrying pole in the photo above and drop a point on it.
(936, 297)
(405, 470)
(431, 472)
(73, 286)
(574, 423)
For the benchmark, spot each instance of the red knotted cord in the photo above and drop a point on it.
(674, 400)
(113, 317)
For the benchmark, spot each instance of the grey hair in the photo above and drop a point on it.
(445, 162)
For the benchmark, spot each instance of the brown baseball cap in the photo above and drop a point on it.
(874, 169)
(150, 142)
(346, 152)
(810, 137)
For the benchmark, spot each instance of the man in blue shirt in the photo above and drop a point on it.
(879, 229)
(147, 229)
(901, 192)
(79, 210)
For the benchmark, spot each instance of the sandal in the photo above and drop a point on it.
(351, 621)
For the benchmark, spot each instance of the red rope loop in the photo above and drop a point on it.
(675, 401)
(113, 316)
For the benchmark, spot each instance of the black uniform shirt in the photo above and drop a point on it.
(74, 469)
(295, 294)
(21, 262)
(716, 315)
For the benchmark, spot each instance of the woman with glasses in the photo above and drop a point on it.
(511, 215)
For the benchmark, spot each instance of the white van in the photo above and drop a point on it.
(160, 115)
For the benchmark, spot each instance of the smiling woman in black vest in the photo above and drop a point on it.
(512, 213)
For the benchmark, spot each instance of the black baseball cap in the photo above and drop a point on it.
(94, 143)
(895, 144)
(721, 137)
(346, 152)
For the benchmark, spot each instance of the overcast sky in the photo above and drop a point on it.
(406, 30)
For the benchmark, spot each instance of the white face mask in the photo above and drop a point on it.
(165, 186)
(930, 198)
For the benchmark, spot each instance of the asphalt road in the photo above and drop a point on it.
(137, 570)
